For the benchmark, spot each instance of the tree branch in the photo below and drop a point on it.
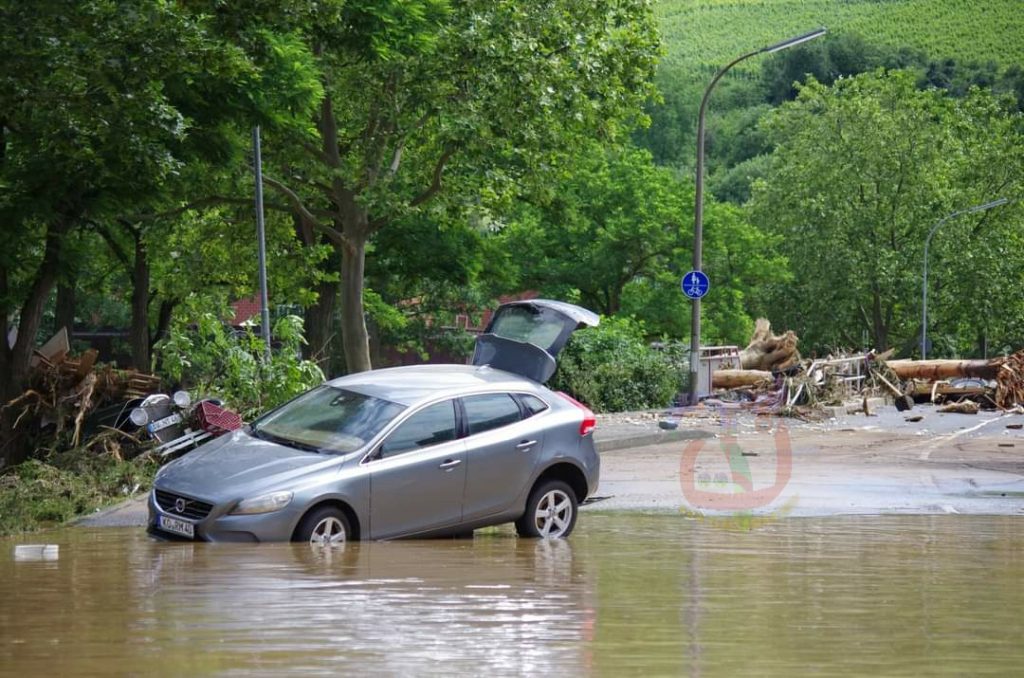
(300, 209)
(119, 253)
(435, 183)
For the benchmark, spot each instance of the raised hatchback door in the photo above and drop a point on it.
(525, 337)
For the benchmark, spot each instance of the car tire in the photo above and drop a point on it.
(550, 511)
(326, 526)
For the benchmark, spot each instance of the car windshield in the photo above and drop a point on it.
(327, 419)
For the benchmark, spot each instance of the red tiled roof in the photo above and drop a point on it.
(245, 309)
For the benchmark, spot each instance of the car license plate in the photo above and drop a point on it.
(177, 526)
(164, 423)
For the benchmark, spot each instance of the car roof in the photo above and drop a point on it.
(414, 383)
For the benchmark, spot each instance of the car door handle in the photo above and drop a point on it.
(526, 444)
(450, 463)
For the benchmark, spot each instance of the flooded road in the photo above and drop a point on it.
(627, 594)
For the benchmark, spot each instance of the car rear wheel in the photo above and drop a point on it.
(550, 511)
(326, 526)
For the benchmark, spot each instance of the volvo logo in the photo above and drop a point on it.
(180, 504)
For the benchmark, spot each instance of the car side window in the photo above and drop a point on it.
(487, 412)
(430, 426)
(533, 404)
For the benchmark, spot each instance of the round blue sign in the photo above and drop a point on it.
(695, 284)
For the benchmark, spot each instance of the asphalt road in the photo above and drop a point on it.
(736, 463)
(943, 463)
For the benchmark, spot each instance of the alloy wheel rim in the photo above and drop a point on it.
(328, 532)
(554, 514)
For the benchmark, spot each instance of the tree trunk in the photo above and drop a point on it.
(319, 320)
(355, 338)
(14, 363)
(31, 315)
(934, 370)
(140, 307)
(64, 315)
(739, 378)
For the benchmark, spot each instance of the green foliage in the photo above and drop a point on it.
(615, 217)
(616, 237)
(42, 493)
(612, 368)
(213, 361)
(861, 172)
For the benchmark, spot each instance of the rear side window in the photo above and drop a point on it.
(430, 426)
(486, 412)
(533, 404)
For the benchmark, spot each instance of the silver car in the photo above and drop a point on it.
(419, 451)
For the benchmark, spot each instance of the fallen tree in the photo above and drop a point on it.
(767, 351)
(937, 370)
(740, 378)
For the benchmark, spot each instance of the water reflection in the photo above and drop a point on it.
(627, 594)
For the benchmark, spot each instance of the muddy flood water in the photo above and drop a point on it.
(627, 594)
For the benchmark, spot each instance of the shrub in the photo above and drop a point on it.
(612, 368)
(214, 361)
(44, 492)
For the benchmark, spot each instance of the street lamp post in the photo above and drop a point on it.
(924, 277)
(698, 198)
(261, 242)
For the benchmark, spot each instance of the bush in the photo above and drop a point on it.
(612, 368)
(41, 493)
(211, 360)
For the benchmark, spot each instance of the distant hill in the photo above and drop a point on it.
(704, 34)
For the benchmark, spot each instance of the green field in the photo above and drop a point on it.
(707, 33)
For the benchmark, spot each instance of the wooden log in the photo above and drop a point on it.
(936, 370)
(739, 378)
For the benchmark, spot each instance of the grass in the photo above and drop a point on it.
(705, 34)
(38, 494)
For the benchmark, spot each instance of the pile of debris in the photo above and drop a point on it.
(773, 378)
(63, 390)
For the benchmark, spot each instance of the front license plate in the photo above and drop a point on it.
(164, 423)
(177, 526)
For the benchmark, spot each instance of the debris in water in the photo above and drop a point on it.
(27, 553)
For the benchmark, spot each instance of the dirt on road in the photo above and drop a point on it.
(885, 464)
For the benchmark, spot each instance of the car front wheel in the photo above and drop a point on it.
(550, 511)
(326, 526)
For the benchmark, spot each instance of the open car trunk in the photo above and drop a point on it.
(525, 337)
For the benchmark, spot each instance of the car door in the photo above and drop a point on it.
(502, 450)
(417, 474)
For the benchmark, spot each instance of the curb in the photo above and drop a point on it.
(651, 438)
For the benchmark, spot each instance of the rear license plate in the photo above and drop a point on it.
(177, 526)
(164, 423)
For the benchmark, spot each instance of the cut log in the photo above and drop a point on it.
(767, 351)
(936, 370)
(962, 407)
(739, 378)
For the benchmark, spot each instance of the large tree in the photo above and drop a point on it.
(104, 107)
(860, 173)
(427, 102)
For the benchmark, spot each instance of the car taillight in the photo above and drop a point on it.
(589, 422)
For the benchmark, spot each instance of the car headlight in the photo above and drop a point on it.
(182, 399)
(264, 504)
(139, 416)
